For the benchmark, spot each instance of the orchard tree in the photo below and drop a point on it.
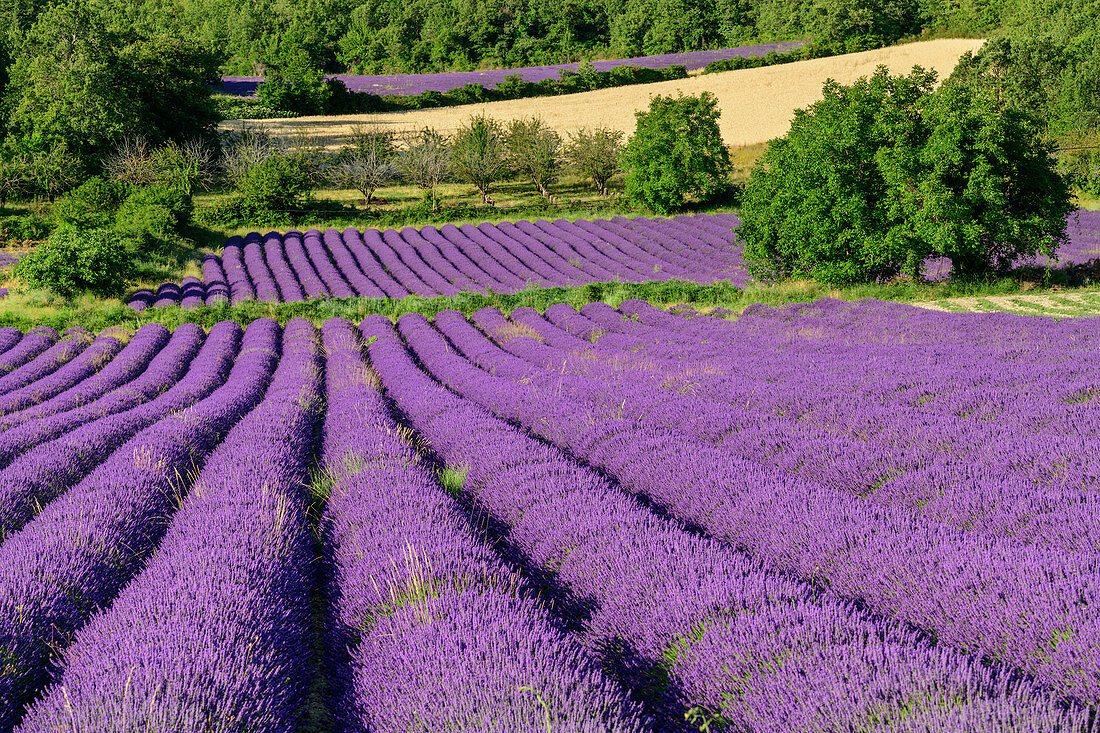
(676, 152)
(880, 175)
(479, 154)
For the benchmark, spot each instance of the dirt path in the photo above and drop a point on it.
(1085, 303)
(756, 104)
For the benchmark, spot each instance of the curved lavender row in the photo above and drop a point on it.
(240, 286)
(141, 299)
(563, 248)
(551, 268)
(664, 264)
(9, 337)
(66, 348)
(320, 259)
(348, 267)
(213, 275)
(628, 266)
(675, 589)
(281, 270)
(860, 547)
(456, 279)
(492, 249)
(130, 379)
(34, 478)
(192, 292)
(258, 271)
(571, 273)
(477, 278)
(167, 294)
(75, 556)
(29, 347)
(390, 529)
(299, 260)
(213, 634)
(400, 272)
(414, 258)
(370, 266)
(587, 250)
(458, 249)
(83, 366)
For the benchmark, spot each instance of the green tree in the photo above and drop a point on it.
(676, 152)
(594, 153)
(535, 151)
(880, 175)
(296, 82)
(73, 261)
(479, 154)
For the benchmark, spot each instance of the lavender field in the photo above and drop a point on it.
(834, 516)
(430, 261)
(502, 258)
(412, 84)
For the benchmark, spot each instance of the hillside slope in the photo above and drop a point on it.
(756, 104)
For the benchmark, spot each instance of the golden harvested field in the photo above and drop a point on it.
(757, 104)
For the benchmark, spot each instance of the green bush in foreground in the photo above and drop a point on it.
(74, 261)
(883, 174)
(676, 153)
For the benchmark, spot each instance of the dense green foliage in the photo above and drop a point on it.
(676, 152)
(79, 85)
(880, 175)
(73, 261)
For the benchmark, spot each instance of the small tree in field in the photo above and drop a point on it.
(369, 163)
(880, 175)
(479, 155)
(535, 152)
(594, 154)
(426, 162)
(676, 152)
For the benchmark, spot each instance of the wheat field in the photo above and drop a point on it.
(757, 104)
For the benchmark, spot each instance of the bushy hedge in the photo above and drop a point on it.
(74, 261)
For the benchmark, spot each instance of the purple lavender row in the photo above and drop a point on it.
(37, 476)
(27, 348)
(413, 84)
(404, 551)
(214, 279)
(151, 364)
(311, 284)
(74, 557)
(434, 262)
(213, 633)
(9, 337)
(68, 347)
(861, 548)
(671, 590)
(83, 366)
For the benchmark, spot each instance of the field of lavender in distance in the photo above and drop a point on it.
(413, 84)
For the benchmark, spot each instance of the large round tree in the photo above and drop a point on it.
(878, 176)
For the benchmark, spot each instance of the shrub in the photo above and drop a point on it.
(90, 205)
(368, 163)
(274, 184)
(20, 229)
(479, 154)
(535, 152)
(880, 175)
(154, 214)
(594, 153)
(426, 162)
(296, 83)
(73, 261)
(676, 152)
